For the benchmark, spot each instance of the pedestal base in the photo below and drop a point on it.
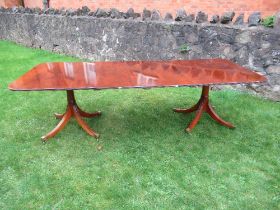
(73, 110)
(203, 105)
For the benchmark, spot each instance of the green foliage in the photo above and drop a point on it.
(144, 159)
(184, 48)
(268, 21)
(167, 27)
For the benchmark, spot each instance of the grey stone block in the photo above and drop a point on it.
(146, 15)
(254, 19)
(227, 17)
(155, 15)
(115, 14)
(277, 22)
(239, 20)
(168, 17)
(201, 17)
(101, 13)
(215, 19)
(180, 15)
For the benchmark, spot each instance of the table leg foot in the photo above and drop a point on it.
(188, 130)
(72, 111)
(58, 116)
(202, 106)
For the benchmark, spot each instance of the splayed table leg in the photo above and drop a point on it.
(73, 110)
(203, 105)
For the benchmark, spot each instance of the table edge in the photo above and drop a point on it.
(136, 87)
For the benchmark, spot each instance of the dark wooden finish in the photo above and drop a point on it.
(203, 105)
(133, 74)
(72, 110)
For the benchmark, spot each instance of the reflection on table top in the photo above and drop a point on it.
(132, 74)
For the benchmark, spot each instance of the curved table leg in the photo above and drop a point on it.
(81, 112)
(203, 105)
(197, 117)
(86, 114)
(216, 117)
(65, 119)
(192, 109)
(83, 124)
(72, 111)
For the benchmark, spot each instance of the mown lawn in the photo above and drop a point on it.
(144, 159)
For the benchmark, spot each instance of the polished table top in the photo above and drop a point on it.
(133, 74)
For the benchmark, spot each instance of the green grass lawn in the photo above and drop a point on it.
(144, 159)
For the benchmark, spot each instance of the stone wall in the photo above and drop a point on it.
(130, 36)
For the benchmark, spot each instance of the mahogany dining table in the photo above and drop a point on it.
(69, 76)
